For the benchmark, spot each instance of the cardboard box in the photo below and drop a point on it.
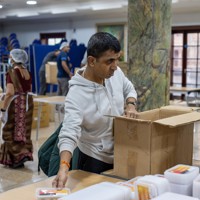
(44, 117)
(44, 120)
(51, 73)
(52, 112)
(157, 140)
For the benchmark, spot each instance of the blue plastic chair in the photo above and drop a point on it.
(16, 46)
(12, 36)
(2, 48)
(36, 41)
(4, 41)
(15, 40)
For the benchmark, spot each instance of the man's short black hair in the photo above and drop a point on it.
(101, 42)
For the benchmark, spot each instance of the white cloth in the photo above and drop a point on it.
(3, 118)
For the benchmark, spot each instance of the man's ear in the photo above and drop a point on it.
(91, 61)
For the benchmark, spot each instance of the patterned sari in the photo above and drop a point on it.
(16, 132)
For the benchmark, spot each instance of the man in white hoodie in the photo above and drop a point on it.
(97, 90)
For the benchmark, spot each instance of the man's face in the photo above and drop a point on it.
(66, 48)
(105, 66)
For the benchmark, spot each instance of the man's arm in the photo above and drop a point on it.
(62, 175)
(130, 108)
(66, 68)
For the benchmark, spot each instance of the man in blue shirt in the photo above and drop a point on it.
(64, 73)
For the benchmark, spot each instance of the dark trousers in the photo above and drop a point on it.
(90, 164)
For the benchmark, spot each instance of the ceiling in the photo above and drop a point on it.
(78, 9)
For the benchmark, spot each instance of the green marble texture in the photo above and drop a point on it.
(149, 38)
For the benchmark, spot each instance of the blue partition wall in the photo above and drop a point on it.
(37, 53)
(76, 54)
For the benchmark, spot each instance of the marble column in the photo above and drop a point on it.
(149, 38)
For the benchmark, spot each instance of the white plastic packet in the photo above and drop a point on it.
(51, 193)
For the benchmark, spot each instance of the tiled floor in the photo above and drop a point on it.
(11, 178)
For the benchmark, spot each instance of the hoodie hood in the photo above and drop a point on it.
(98, 91)
(78, 80)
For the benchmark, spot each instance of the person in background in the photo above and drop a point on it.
(16, 113)
(64, 73)
(51, 56)
(96, 91)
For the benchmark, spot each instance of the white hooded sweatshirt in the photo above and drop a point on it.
(85, 124)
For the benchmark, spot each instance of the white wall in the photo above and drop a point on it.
(80, 30)
(186, 19)
(28, 31)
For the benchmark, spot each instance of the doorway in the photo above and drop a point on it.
(52, 38)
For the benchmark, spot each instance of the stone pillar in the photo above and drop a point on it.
(149, 41)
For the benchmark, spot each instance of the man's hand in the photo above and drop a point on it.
(62, 175)
(130, 111)
(70, 75)
(61, 178)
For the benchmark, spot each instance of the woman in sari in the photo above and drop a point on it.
(16, 113)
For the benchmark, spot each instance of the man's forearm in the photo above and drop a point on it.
(65, 158)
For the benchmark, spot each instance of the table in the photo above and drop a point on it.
(55, 100)
(77, 180)
(183, 90)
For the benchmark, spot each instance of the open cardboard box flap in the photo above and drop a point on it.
(130, 119)
(179, 119)
(177, 108)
